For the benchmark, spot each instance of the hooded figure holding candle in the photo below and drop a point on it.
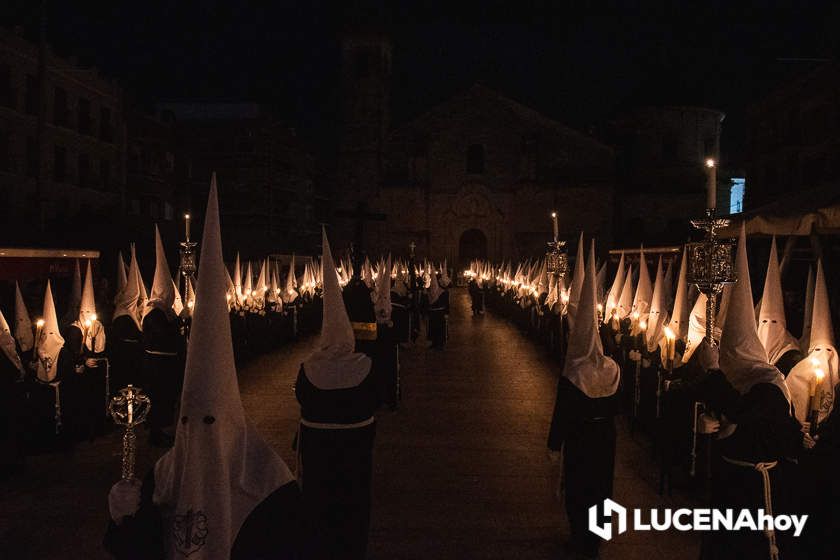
(758, 431)
(221, 493)
(163, 347)
(85, 389)
(11, 403)
(126, 351)
(582, 423)
(337, 397)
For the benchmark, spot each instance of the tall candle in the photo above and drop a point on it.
(554, 223)
(187, 225)
(816, 391)
(711, 187)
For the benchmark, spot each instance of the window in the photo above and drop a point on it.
(736, 195)
(7, 92)
(60, 112)
(59, 164)
(84, 116)
(105, 173)
(475, 159)
(31, 157)
(84, 170)
(105, 131)
(32, 95)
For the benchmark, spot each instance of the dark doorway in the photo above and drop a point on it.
(473, 245)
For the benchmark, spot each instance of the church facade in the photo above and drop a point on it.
(477, 175)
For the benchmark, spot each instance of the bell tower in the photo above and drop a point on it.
(365, 113)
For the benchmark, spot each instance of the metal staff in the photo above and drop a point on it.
(129, 408)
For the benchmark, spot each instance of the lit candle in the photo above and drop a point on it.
(816, 392)
(554, 223)
(187, 225)
(670, 346)
(711, 187)
(39, 326)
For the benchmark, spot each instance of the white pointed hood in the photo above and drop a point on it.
(88, 321)
(435, 290)
(248, 285)
(614, 294)
(772, 326)
(658, 316)
(50, 341)
(290, 294)
(668, 291)
(237, 277)
(805, 339)
(822, 354)
(7, 343)
(382, 305)
(601, 282)
(625, 301)
(644, 292)
(682, 306)
(23, 324)
(335, 364)
(742, 357)
(75, 296)
(121, 275)
(162, 296)
(577, 283)
(585, 365)
(178, 304)
(141, 285)
(127, 301)
(220, 468)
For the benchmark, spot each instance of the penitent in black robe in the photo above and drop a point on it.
(12, 399)
(163, 367)
(83, 391)
(336, 466)
(272, 531)
(126, 354)
(766, 432)
(585, 429)
(438, 312)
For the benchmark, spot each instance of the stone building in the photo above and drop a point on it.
(661, 154)
(475, 176)
(62, 142)
(793, 137)
(265, 174)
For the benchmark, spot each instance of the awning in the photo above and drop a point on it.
(802, 212)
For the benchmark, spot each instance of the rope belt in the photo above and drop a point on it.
(159, 353)
(331, 426)
(764, 470)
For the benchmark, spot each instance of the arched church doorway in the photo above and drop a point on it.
(473, 245)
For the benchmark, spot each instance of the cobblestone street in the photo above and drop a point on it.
(461, 468)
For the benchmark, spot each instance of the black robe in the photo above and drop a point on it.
(766, 432)
(12, 398)
(125, 342)
(438, 312)
(83, 390)
(273, 529)
(585, 429)
(401, 315)
(163, 366)
(337, 466)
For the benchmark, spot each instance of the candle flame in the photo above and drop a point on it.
(39, 323)
(93, 317)
(643, 325)
(819, 374)
(710, 162)
(635, 315)
(669, 334)
(600, 307)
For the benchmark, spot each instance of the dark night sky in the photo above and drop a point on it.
(579, 66)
